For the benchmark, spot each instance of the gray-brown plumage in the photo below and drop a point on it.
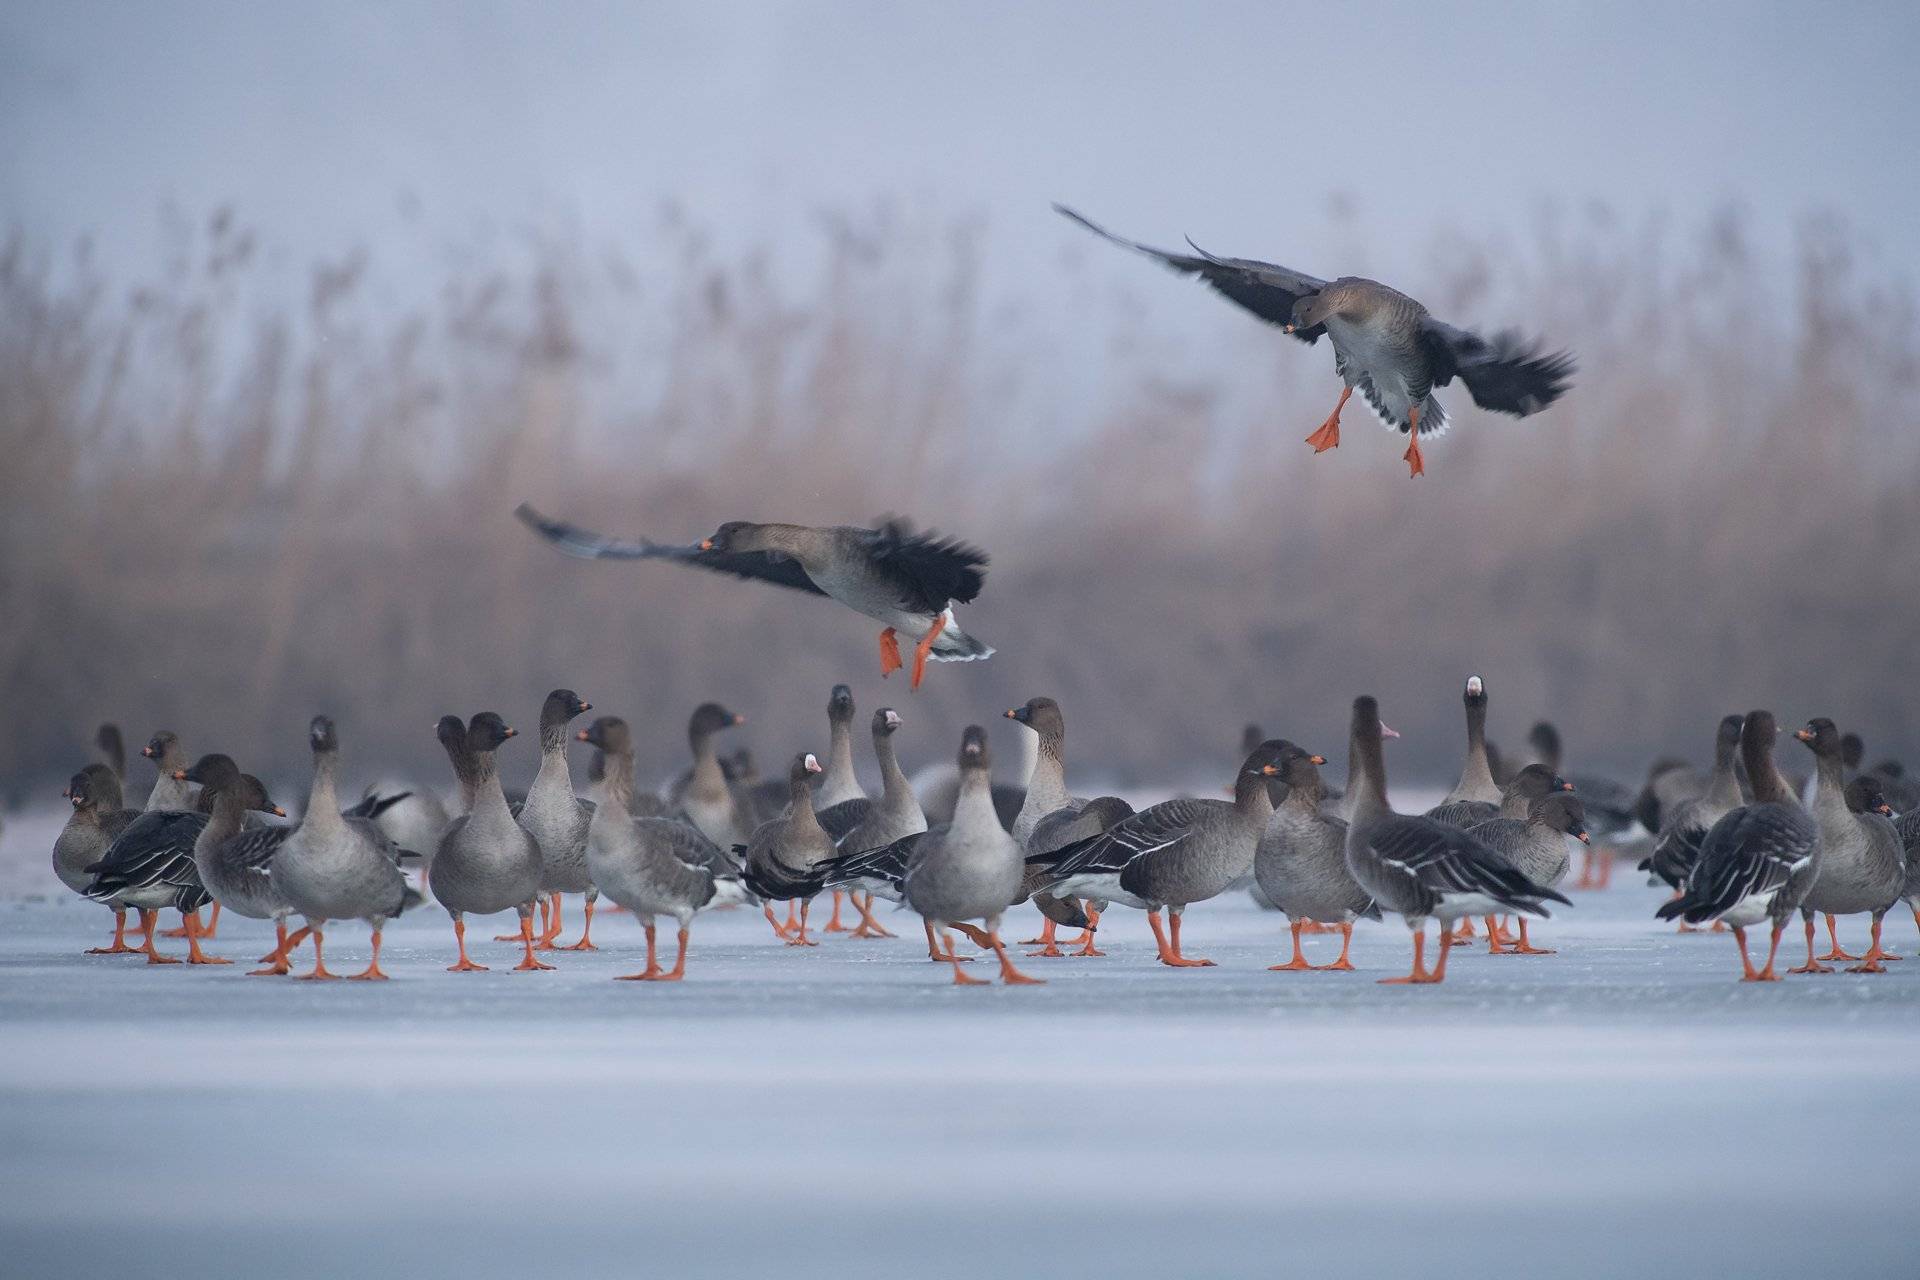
(906, 580)
(486, 861)
(97, 820)
(1051, 817)
(1536, 847)
(1516, 801)
(1863, 867)
(1386, 345)
(1684, 823)
(1300, 862)
(786, 859)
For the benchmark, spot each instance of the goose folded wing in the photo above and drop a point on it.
(1448, 860)
(585, 544)
(1506, 373)
(1152, 831)
(887, 863)
(1752, 850)
(1264, 288)
(687, 843)
(838, 820)
(929, 571)
(155, 848)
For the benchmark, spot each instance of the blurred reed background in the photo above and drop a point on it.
(221, 512)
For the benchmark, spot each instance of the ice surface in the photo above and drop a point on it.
(1622, 1107)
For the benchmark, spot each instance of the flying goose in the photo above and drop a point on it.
(1385, 344)
(905, 580)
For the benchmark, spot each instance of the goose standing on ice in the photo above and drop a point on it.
(708, 800)
(1420, 868)
(1047, 798)
(1863, 867)
(1684, 823)
(1757, 862)
(557, 820)
(486, 861)
(894, 816)
(1301, 862)
(1537, 849)
(838, 797)
(96, 822)
(170, 758)
(905, 580)
(1476, 774)
(786, 859)
(1385, 345)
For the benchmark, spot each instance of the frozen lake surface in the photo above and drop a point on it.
(1624, 1106)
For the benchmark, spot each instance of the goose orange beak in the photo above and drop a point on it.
(706, 544)
(1884, 808)
(739, 719)
(1318, 759)
(1583, 837)
(513, 733)
(1805, 735)
(581, 736)
(179, 775)
(276, 811)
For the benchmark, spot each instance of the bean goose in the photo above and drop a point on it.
(970, 871)
(1685, 823)
(1171, 855)
(1532, 783)
(97, 820)
(232, 859)
(1537, 849)
(557, 820)
(786, 858)
(1863, 867)
(652, 866)
(486, 861)
(905, 580)
(708, 801)
(1757, 862)
(1300, 862)
(838, 797)
(894, 816)
(1609, 806)
(1417, 867)
(1385, 344)
(1047, 796)
(169, 758)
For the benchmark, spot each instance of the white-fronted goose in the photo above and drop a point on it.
(1476, 774)
(1171, 855)
(96, 822)
(1385, 344)
(169, 758)
(905, 580)
(785, 860)
(1684, 823)
(1862, 863)
(335, 867)
(1757, 862)
(486, 861)
(652, 866)
(970, 871)
(1047, 797)
(1301, 862)
(1418, 867)
(557, 820)
(1537, 849)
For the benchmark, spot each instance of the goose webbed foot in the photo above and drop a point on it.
(890, 660)
(925, 647)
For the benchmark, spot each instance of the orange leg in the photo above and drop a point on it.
(833, 924)
(586, 933)
(801, 939)
(1009, 975)
(1310, 925)
(1773, 948)
(1299, 961)
(1747, 972)
(122, 947)
(1411, 457)
(1870, 963)
(527, 961)
(1440, 969)
(1170, 953)
(460, 937)
(180, 930)
(779, 930)
(1048, 939)
(1464, 933)
(213, 922)
(319, 972)
(869, 927)
(147, 921)
(925, 647)
(549, 923)
(1093, 923)
(890, 653)
(1525, 948)
(1833, 938)
(1604, 877)
(1328, 436)
(1586, 880)
(1496, 945)
(1419, 973)
(653, 969)
(1184, 959)
(1812, 965)
(277, 959)
(1342, 965)
(960, 978)
(373, 972)
(194, 954)
(934, 952)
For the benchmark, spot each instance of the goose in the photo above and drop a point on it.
(707, 800)
(97, 820)
(603, 779)
(169, 757)
(486, 862)
(785, 859)
(1685, 823)
(1902, 789)
(883, 873)
(1537, 849)
(970, 871)
(907, 581)
(1532, 783)
(938, 786)
(1908, 827)
(1251, 736)
(557, 820)
(1609, 805)
(1385, 345)
(1863, 866)
(838, 797)
(762, 799)
(1417, 867)
(334, 867)
(1757, 862)
(1171, 855)
(1476, 774)
(651, 866)
(1300, 862)
(1670, 781)
(894, 816)
(410, 815)
(150, 866)
(1046, 797)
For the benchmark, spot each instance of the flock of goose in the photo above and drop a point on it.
(1740, 844)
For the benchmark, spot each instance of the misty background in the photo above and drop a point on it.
(295, 305)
